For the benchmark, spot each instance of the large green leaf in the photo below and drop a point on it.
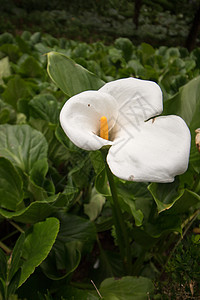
(57, 152)
(163, 224)
(72, 257)
(184, 203)
(70, 77)
(37, 246)
(129, 288)
(76, 229)
(11, 185)
(17, 88)
(186, 103)
(76, 237)
(165, 194)
(45, 107)
(31, 68)
(23, 146)
(71, 293)
(36, 211)
(136, 199)
(172, 200)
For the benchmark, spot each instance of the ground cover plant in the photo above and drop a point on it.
(57, 228)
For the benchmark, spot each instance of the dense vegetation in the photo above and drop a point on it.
(47, 181)
(157, 22)
(58, 236)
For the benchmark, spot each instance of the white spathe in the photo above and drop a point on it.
(142, 148)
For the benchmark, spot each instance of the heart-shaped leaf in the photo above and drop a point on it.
(70, 77)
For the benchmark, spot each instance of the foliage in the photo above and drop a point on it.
(57, 195)
(183, 267)
(160, 22)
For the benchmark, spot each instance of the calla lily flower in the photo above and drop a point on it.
(121, 114)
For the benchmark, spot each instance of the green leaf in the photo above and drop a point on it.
(23, 146)
(45, 107)
(126, 46)
(16, 88)
(101, 183)
(57, 152)
(165, 194)
(3, 265)
(7, 113)
(94, 207)
(11, 186)
(76, 237)
(137, 214)
(147, 51)
(31, 68)
(129, 288)
(36, 211)
(70, 77)
(37, 245)
(6, 38)
(12, 51)
(187, 200)
(4, 68)
(16, 255)
(97, 161)
(71, 293)
(13, 284)
(137, 199)
(72, 257)
(186, 103)
(76, 229)
(2, 288)
(163, 224)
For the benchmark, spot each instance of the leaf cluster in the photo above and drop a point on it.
(57, 195)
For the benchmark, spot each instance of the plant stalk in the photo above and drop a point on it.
(120, 225)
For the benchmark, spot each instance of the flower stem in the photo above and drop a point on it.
(5, 248)
(120, 225)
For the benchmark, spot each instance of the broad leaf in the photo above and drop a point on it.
(76, 229)
(186, 103)
(37, 246)
(31, 68)
(17, 88)
(129, 288)
(36, 211)
(71, 293)
(23, 146)
(165, 194)
(71, 256)
(70, 77)
(77, 234)
(11, 186)
(171, 200)
(45, 107)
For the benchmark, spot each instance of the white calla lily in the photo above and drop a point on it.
(142, 148)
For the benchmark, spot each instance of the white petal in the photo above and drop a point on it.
(80, 118)
(138, 100)
(156, 153)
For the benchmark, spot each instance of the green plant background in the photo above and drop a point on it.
(55, 217)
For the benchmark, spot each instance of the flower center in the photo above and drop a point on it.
(104, 128)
